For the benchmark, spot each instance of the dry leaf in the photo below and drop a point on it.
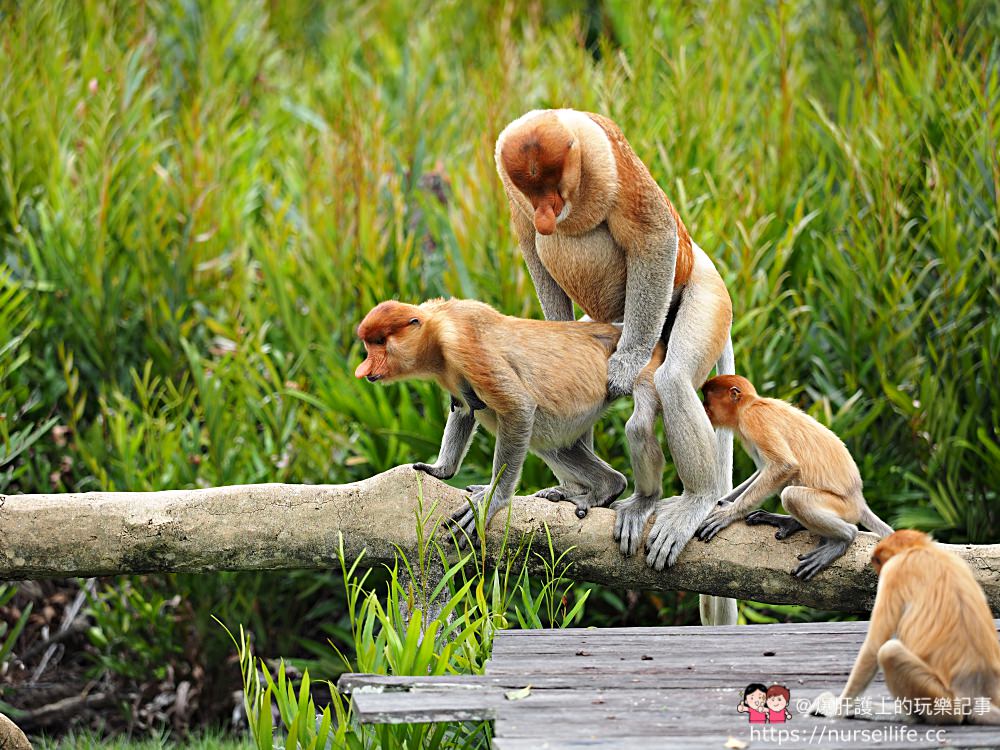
(518, 695)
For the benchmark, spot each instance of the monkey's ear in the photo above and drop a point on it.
(735, 393)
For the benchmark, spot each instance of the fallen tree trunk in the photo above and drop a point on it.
(280, 526)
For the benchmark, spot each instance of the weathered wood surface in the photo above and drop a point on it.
(273, 526)
(639, 688)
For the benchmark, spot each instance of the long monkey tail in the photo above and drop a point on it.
(718, 610)
(724, 438)
(873, 523)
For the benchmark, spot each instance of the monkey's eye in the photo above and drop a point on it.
(414, 321)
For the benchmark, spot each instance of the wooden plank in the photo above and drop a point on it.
(665, 680)
(586, 659)
(697, 630)
(963, 737)
(350, 682)
(772, 648)
(424, 706)
(642, 688)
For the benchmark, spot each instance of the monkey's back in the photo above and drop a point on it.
(567, 370)
(946, 620)
(824, 461)
(563, 366)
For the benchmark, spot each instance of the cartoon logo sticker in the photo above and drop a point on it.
(765, 705)
(777, 704)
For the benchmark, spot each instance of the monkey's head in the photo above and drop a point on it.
(724, 396)
(542, 158)
(393, 340)
(897, 542)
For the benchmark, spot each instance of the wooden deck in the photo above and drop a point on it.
(644, 688)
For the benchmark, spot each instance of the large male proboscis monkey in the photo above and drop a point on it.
(596, 229)
(932, 634)
(534, 384)
(807, 463)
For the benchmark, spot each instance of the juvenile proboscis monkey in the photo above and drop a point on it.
(596, 229)
(534, 384)
(819, 482)
(932, 634)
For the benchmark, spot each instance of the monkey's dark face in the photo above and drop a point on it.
(720, 407)
(540, 160)
(388, 333)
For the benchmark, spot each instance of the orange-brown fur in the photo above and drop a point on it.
(643, 204)
(535, 384)
(561, 366)
(931, 630)
(819, 482)
(784, 434)
(595, 229)
(542, 161)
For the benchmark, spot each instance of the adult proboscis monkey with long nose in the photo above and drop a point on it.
(596, 229)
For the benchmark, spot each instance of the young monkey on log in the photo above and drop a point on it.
(931, 632)
(534, 384)
(819, 482)
(596, 229)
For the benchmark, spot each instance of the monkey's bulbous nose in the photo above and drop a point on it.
(545, 219)
(373, 378)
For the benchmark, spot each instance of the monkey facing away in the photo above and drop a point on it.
(534, 384)
(819, 482)
(595, 228)
(931, 632)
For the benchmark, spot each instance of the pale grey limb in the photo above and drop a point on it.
(764, 483)
(513, 437)
(458, 431)
(649, 285)
(786, 525)
(717, 610)
(690, 436)
(836, 534)
(556, 304)
(724, 438)
(601, 483)
(735, 494)
(632, 513)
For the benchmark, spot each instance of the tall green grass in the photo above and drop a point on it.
(200, 200)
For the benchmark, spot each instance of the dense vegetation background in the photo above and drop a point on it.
(200, 200)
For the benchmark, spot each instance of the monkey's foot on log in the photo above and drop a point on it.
(434, 470)
(786, 525)
(582, 499)
(677, 519)
(561, 492)
(462, 523)
(819, 559)
(717, 520)
(631, 515)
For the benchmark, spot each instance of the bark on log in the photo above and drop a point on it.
(280, 526)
